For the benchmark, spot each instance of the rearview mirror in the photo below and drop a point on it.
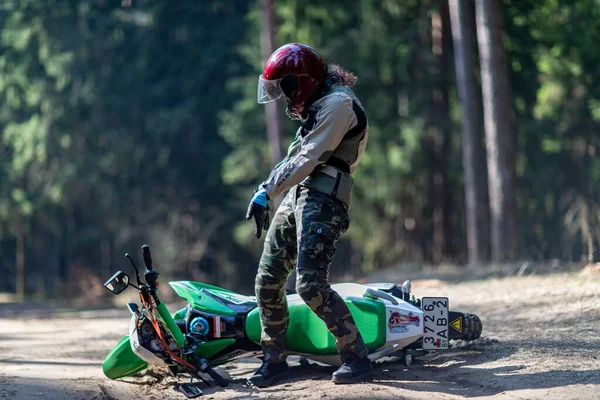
(118, 282)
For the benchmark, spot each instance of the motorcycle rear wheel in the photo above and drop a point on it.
(472, 327)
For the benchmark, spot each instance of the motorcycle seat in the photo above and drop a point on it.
(387, 287)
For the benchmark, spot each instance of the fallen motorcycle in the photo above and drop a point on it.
(218, 326)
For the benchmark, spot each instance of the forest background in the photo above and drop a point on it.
(135, 121)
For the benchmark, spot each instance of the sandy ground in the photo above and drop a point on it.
(540, 341)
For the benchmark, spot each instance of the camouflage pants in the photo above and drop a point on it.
(304, 231)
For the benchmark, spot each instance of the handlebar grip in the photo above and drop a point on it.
(217, 378)
(147, 256)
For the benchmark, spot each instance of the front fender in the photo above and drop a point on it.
(122, 361)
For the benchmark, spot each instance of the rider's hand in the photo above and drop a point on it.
(259, 209)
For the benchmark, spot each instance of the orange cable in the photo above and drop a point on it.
(154, 323)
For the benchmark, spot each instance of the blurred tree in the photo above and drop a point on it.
(559, 163)
(32, 82)
(272, 112)
(441, 129)
(500, 135)
(476, 202)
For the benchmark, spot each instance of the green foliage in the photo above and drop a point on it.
(129, 123)
(557, 80)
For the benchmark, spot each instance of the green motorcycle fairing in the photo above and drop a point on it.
(308, 334)
(122, 361)
(198, 295)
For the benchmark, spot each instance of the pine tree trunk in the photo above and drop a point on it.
(20, 261)
(38, 262)
(499, 130)
(586, 231)
(442, 229)
(476, 201)
(64, 257)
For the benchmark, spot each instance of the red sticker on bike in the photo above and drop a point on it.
(398, 322)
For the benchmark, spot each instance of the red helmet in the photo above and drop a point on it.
(294, 70)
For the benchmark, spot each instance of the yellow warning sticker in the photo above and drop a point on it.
(457, 324)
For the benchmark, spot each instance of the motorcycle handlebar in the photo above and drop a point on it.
(147, 257)
(151, 275)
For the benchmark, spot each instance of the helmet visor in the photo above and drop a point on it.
(268, 90)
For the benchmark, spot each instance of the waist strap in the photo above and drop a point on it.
(338, 187)
(338, 163)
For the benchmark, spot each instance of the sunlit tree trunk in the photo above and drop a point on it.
(476, 204)
(499, 130)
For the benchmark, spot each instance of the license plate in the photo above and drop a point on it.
(435, 323)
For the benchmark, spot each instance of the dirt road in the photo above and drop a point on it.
(540, 341)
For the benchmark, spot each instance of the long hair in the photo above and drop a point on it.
(341, 75)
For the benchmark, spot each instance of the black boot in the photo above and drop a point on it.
(358, 370)
(269, 373)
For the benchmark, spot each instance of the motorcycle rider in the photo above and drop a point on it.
(304, 231)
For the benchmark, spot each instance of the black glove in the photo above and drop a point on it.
(259, 209)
